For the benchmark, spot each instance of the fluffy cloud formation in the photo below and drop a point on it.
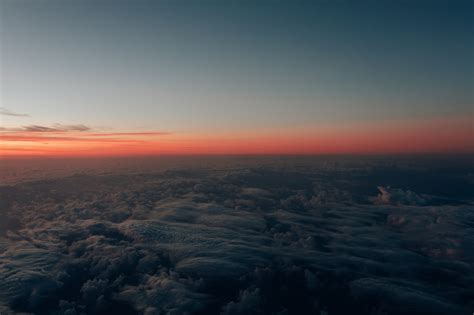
(395, 196)
(264, 239)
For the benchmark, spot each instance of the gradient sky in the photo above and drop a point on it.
(153, 77)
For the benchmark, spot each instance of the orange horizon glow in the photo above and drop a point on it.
(396, 137)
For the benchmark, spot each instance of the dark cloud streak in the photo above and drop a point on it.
(55, 128)
(6, 112)
(42, 138)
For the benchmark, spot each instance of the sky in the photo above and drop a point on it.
(82, 78)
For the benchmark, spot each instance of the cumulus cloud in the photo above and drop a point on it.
(232, 240)
(396, 196)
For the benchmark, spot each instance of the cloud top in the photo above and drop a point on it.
(271, 238)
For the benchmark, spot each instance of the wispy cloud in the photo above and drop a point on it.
(54, 128)
(72, 133)
(6, 112)
(145, 133)
(57, 128)
(44, 138)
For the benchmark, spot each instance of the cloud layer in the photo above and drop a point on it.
(279, 238)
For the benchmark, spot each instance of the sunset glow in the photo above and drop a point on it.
(435, 136)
